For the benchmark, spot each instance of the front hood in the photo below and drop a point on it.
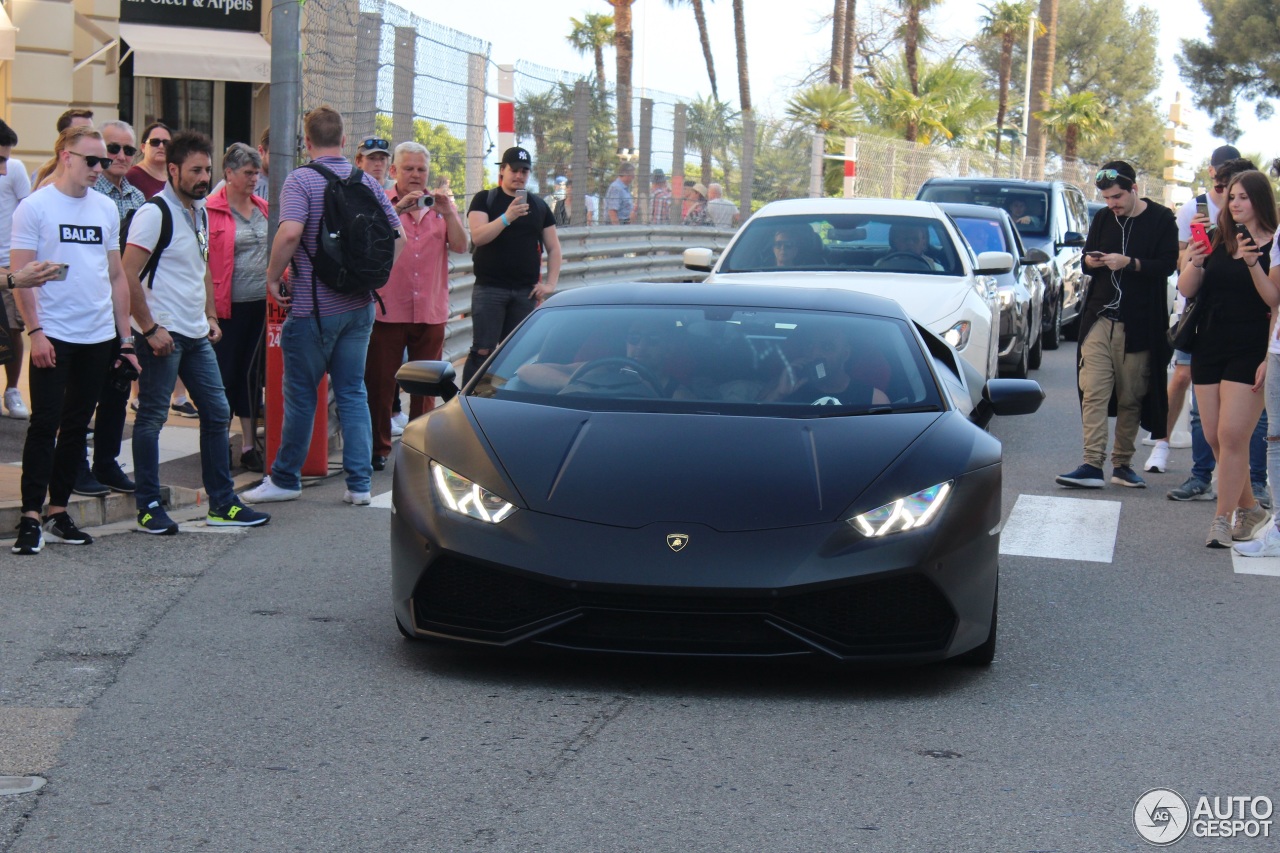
(730, 473)
(931, 300)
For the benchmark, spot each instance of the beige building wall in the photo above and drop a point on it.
(40, 87)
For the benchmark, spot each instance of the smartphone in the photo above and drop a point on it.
(1242, 232)
(1097, 256)
(426, 200)
(522, 197)
(62, 272)
(1202, 208)
(1201, 236)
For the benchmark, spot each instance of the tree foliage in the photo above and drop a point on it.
(952, 104)
(448, 152)
(1239, 61)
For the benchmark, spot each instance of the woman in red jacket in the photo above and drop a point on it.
(238, 253)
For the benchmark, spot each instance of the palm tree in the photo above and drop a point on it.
(1007, 20)
(1042, 85)
(622, 51)
(912, 32)
(538, 116)
(825, 108)
(951, 103)
(744, 103)
(700, 16)
(850, 40)
(1078, 117)
(834, 74)
(710, 125)
(591, 35)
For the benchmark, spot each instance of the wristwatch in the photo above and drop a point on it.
(127, 342)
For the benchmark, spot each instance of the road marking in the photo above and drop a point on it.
(1269, 566)
(382, 501)
(1061, 528)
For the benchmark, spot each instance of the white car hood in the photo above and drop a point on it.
(929, 299)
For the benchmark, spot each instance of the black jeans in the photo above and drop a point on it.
(108, 423)
(495, 312)
(62, 401)
(241, 357)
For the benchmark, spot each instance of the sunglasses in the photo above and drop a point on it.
(784, 244)
(116, 148)
(156, 142)
(1219, 188)
(93, 161)
(379, 144)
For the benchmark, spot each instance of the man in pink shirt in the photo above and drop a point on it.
(416, 297)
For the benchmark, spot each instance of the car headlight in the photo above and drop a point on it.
(1005, 297)
(909, 513)
(958, 335)
(466, 498)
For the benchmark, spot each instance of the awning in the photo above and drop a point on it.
(8, 37)
(192, 53)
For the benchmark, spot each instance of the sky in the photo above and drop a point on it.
(785, 39)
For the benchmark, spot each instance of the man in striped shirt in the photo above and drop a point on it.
(325, 334)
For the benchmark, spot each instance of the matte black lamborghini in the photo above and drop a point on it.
(707, 470)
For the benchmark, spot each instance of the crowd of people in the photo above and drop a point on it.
(1225, 344)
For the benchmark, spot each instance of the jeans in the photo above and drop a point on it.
(1202, 461)
(495, 312)
(193, 360)
(337, 345)
(62, 401)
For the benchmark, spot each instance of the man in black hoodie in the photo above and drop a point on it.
(1131, 251)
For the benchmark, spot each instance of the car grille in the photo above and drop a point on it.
(880, 616)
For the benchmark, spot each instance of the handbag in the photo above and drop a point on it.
(1183, 335)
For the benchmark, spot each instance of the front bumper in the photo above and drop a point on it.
(819, 590)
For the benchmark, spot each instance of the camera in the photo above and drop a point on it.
(426, 200)
(122, 375)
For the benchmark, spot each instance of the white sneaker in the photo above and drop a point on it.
(268, 492)
(13, 402)
(400, 419)
(1266, 545)
(396, 429)
(357, 498)
(1158, 461)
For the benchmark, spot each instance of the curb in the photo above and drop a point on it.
(95, 512)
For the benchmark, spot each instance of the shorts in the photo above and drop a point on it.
(1180, 357)
(1212, 367)
(11, 309)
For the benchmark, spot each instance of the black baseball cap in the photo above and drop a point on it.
(517, 158)
(1222, 154)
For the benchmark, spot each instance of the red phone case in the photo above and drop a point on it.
(1201, 236)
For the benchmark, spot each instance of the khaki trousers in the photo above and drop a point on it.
(1106, 367)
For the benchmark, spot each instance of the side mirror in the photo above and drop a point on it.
(1073, 239)
(1013, 396)
(428, 379)
(1035, 257)
(699, 260)
(994, 263)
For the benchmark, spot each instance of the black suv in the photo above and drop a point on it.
(1050, 215)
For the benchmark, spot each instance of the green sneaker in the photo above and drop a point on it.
(236, 515)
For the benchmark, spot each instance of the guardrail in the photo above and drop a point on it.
(592, 255)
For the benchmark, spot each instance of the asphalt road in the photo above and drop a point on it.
(249, 691)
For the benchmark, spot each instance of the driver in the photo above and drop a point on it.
(907, 238)
(792, 246)
(650, 343)
(819, 373)
(1021, 215)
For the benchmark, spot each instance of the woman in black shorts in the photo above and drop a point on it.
(1228, 364)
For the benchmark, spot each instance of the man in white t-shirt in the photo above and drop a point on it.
(166, 260)
(15, 185)
(75, 327)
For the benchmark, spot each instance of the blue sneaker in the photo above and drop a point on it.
(1124, 475)
(236, 515)
(156, 521)
(1084, 477)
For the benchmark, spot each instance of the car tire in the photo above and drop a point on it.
(1052, 335)
(984, 654)
(1019, 370)
(1037, 351)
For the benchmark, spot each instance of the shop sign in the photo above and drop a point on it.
(243, 15)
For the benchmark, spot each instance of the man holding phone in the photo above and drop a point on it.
(415, 300)
(510, 228)
(1131, 250)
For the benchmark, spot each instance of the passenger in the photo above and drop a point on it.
(908, 239)
(821, 373)
(1020, 214)
(794, 246)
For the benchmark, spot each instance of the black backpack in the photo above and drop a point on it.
(356, 244)
(148, 273)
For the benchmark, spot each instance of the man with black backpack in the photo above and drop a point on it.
(510, 227)
(341, 236)
(166, 259)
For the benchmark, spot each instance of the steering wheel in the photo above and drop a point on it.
(618, 364)
(912, 258)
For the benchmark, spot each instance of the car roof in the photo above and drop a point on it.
(886, 206)
(730, 295)
(975, 211)
(1008, 182)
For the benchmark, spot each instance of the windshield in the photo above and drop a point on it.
(1027, 207)
(844, 242)
(715, 360)
(984, 235)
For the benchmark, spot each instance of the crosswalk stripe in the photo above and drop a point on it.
(382, 501)
(1255, 565)
(1061, 528)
